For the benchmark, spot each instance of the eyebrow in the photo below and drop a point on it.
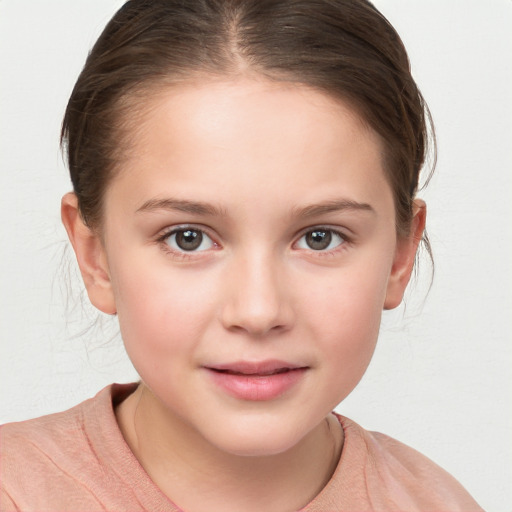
(181, 205)
(202, 208)
(332, 206)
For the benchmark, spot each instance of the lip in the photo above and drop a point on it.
(256, 381)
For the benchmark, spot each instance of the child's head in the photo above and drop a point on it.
(246, 172)
(344, 48)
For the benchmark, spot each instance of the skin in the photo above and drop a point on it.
(270, 161)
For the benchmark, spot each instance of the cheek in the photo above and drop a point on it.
(160, 312)
(352, 297)
(347, 324)
(352, 320)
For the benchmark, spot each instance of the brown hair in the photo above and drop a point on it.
(345, 48)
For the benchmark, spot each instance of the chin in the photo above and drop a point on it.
(257, 440)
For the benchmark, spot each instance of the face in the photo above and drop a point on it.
(249, 247)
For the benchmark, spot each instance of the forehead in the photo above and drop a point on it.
(236, 139)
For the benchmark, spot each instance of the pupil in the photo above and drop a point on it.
(189, 240)
(319, 240)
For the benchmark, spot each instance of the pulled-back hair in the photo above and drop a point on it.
(344, 48)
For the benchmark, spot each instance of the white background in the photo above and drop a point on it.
(441, 377)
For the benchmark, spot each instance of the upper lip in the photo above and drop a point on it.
(255, 367)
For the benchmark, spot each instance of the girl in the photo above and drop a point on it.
(244, 200)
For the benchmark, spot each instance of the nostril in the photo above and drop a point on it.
(257, 329)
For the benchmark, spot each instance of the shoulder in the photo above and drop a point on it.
(40, 439)
(55, 434)
(75, 422)
(62, 450)
(377, 472)
(396, 475)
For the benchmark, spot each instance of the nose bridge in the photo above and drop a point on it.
(256, 299)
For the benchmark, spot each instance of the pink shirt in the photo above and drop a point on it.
(77, 460)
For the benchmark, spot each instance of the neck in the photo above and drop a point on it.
(198, 476)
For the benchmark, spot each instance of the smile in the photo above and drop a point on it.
(257, 374)
(262, 381)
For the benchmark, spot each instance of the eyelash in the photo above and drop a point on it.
(162, 240)
(185, 255)
(344, 240)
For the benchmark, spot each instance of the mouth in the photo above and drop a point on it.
(261, 381)
(255, 374)
(256, 369)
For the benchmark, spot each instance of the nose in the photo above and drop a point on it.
(257, 301)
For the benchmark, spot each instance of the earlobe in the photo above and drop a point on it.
(405, 254)
(90, 255)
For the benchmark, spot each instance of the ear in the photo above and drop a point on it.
(405, 254)
(90, 255)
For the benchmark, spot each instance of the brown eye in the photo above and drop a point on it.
(320, 239)
(188, 240)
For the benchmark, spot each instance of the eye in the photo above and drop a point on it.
(320, 239)
(188, 240)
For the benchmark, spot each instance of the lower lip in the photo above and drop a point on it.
(257, 387)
